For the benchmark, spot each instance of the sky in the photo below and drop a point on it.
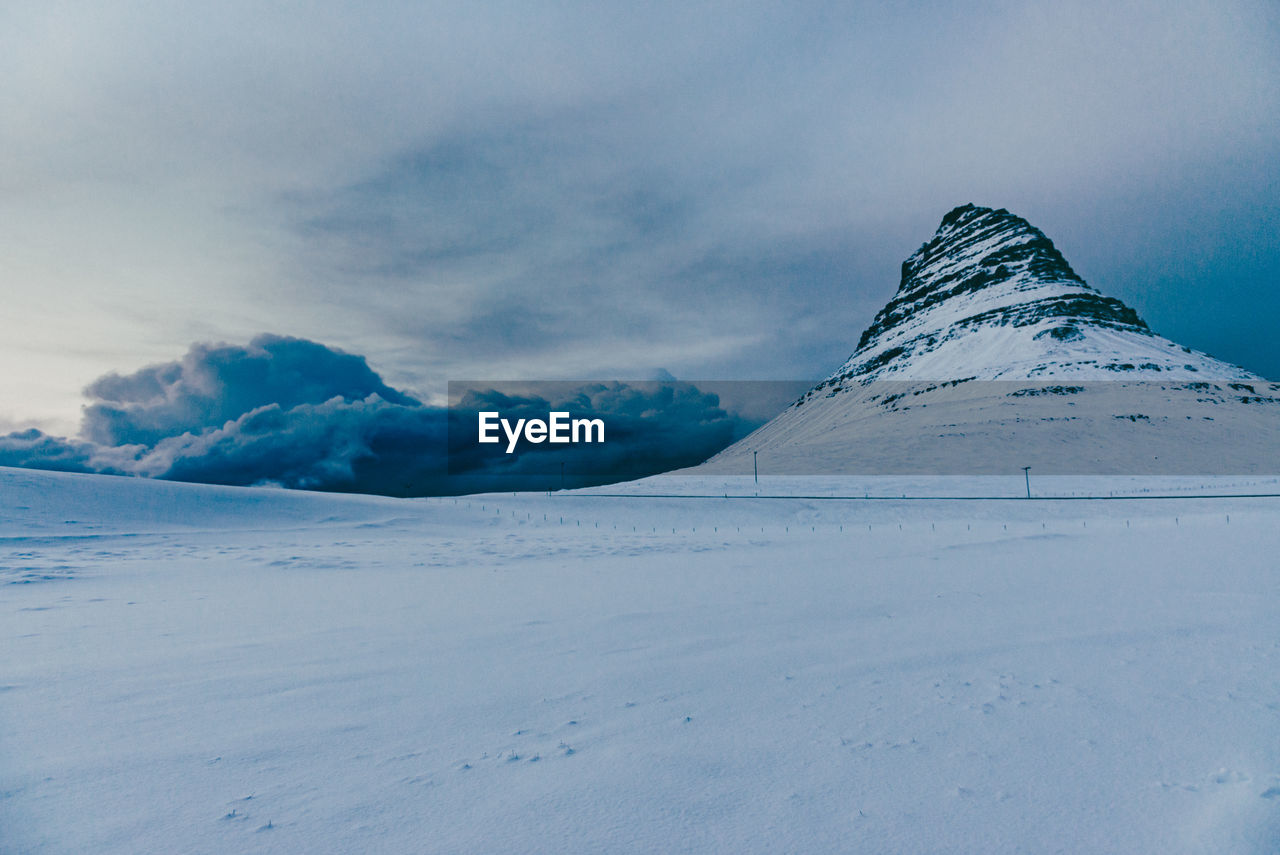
(598, 190)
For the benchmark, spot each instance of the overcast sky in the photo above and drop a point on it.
(520, 190)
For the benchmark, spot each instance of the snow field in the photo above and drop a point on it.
(204, 669)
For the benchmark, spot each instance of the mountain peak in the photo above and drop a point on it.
(989, 239)
(990, 296)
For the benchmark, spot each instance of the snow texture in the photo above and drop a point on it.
(205, 669)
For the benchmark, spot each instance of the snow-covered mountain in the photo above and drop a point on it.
(995, 353)
(989, 297)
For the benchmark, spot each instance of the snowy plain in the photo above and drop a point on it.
(202, 669)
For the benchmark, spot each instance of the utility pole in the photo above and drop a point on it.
(755, 465)
(1026, 473)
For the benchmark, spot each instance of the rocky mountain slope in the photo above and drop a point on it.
(990, 297)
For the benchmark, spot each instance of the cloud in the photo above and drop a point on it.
(295, 413)
(215, 384)
(35, 449)
(726, 189)
(369, 446)
(533, 242)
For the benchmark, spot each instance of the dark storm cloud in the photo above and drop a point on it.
(295, 413)
(35, 449)
(368, 446)
(214, 384)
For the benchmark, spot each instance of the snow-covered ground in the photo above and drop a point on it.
(202, 669)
